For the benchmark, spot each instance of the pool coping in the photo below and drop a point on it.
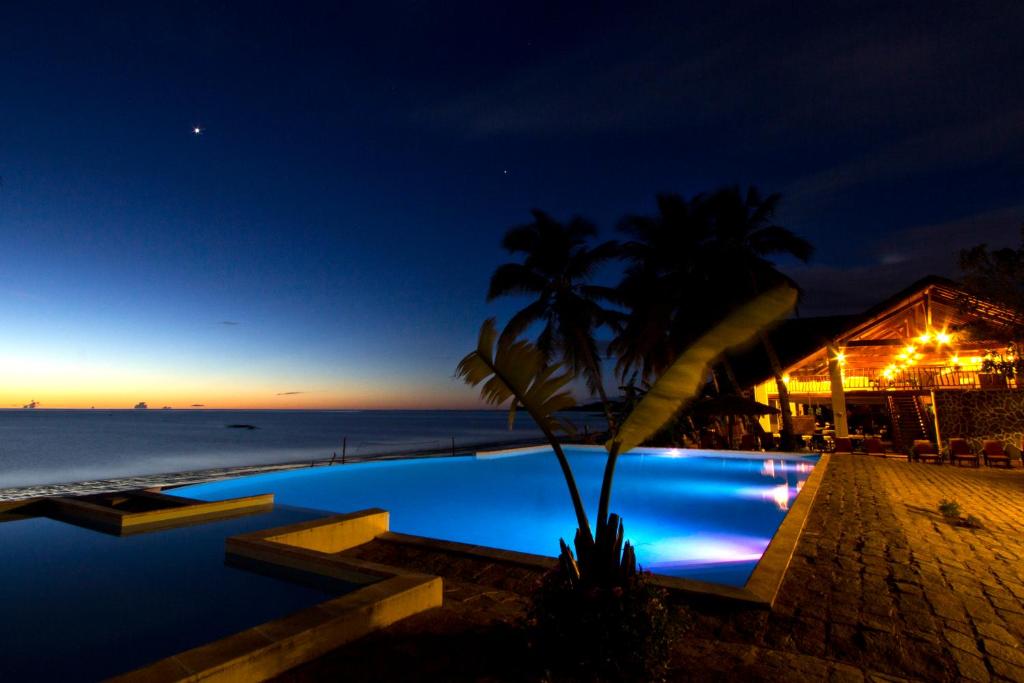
(176, 511)
(266, 650)
(651, 451)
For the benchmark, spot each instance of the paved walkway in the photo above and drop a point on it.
(881, 582)
(881, 588)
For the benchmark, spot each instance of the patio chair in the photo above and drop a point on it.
(994, 453)
(924, 450)
(844, 444)
(873, 446)
(960, 453)
(748, 442)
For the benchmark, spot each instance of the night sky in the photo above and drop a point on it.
(327, 239)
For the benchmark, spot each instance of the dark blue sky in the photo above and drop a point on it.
(360, 163)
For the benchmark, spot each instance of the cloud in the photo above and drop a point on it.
(198, 405)
(936, 149)
(758, 71)
(228, 322)
(907, 255)
(291, 393)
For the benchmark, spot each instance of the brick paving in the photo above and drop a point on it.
(881, 582)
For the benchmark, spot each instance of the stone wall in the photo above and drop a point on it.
(982, 414)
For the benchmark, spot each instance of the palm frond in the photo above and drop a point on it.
(515, 370)
(775, 239)
(518, 323)
(514, 278)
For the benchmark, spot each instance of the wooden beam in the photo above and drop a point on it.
(875, 342)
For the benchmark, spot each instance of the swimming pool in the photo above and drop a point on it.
(703, 515)
(79, 605)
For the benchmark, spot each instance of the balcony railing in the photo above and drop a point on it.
(907, 379)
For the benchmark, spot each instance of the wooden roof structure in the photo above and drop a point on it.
(932, 322)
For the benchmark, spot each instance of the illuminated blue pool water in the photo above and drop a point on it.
(697, 514)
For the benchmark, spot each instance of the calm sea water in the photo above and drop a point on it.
(57, 446)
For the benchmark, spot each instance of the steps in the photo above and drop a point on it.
(909, 421)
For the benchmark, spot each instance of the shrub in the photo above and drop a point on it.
(601, 634)
(949, 508)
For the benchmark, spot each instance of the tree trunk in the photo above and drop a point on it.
(786, 433)
(606, 486)
(607, 409)
(591, 367)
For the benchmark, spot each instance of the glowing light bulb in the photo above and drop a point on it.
(909, 349)
(943, 338)
(925, 338)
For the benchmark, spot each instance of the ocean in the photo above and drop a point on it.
(63, 446)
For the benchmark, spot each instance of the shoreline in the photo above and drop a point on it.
(174, 479)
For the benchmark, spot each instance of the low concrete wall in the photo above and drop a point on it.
(272, 648)
(269, 649)
(179, 511)
(335, 533)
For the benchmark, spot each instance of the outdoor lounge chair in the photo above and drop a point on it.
(925, 451)
(873, 446)
(960, 452)
(844, 444)
(994, 453)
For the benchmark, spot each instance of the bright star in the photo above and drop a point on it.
(197, 131)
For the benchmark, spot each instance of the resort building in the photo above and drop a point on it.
(931, 362)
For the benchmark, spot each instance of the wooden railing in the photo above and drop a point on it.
(907, 379)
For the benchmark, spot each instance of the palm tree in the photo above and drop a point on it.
(662, 253)
(667, 287)
(556, 272)
(745, 235)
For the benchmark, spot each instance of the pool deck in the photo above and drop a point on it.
(880, 587)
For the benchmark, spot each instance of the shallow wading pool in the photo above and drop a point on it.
(703, 515)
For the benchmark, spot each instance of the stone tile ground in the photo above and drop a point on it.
(880, 588)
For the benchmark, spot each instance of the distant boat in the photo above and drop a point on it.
(141, 405)
(31, 405)
(166, 408)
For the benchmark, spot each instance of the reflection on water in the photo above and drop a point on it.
(790, 475)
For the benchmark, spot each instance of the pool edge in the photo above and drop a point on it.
(767, 577)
